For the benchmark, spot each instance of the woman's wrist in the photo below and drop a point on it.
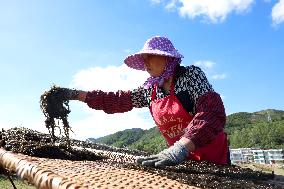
(82, 96)
(187, 143)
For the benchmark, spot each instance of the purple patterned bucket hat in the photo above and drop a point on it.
(157, 46)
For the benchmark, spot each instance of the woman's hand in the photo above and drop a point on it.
(74, 94)
(81, 95)
(171, 156)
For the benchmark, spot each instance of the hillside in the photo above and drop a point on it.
(241, 119)
(146, 140)
(263, 129)
(122, 138)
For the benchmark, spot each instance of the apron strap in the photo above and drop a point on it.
(154, 92)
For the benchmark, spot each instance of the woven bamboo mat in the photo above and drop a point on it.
(62, 174)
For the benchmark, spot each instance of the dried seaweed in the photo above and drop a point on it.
(33, 143)
(208, 175)
(54, 104)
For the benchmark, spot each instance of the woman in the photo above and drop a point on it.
(189, 114)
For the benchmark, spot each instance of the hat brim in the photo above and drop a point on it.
(136, 60)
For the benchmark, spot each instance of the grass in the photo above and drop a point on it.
(264, 168)
(6, 184)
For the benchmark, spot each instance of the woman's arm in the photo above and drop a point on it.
(209, 120)
(109, 102)
(115, 102)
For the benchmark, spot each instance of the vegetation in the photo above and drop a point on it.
(263, 129)
(146, 140)
(259, 135)
(152, 141)
(6, 184)
(122, 138)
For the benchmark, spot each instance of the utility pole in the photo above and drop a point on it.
(268, 117)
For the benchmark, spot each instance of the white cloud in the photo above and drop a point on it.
(171, 5)
(155, 1)
(34, 124)
(212, 11)
(205, 64)
(219, 76)
(278, 13)
(99, 124)
(208, 67)
(112, 78)
(127, 51)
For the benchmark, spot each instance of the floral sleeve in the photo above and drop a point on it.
(141, 97)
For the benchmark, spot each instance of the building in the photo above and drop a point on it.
(241, 155)
(274, 156)
(262, 156)
(259, 156)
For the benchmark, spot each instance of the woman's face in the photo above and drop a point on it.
(155, 65)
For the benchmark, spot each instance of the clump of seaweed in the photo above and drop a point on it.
(54, 104)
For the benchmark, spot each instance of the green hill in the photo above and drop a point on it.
(152, 141)
(241, 119)
(263, 129)
(146, 140)
(122, 138)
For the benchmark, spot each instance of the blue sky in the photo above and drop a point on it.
(82, 44)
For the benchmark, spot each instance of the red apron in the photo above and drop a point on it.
(172, 119)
